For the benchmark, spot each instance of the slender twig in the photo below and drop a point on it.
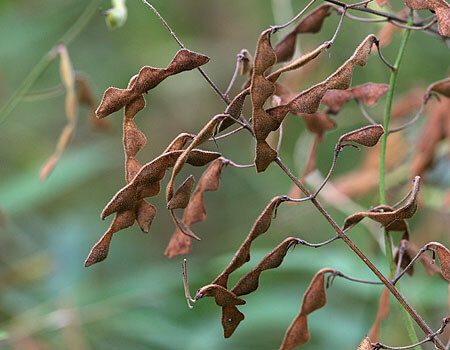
(278, 27)
(396, 205)
(430, 337)
(401, 253)
(280, 137)
(413, 260)
(187, 293)
(413, 120)
(405, 26)
(385, 61)
(227, 134)
(324, 182)
(422, 324)
(335, 274)
(364, 112)
(233, 164)
(317, 245)
(235, 73)
(43, 63)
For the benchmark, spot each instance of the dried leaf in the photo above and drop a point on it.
(148, 78)
(313, 299)
(392, 220)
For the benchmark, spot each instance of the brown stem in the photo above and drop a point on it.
(422, 324)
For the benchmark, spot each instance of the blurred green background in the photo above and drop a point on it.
(135, 298)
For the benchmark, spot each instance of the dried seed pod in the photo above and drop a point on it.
(366, 343)
(367, 136)
(231, 317)
(87, 98)
(392, 220)
(311, 23)
(382, 314)
(249, 283)
(313, 299)
(195, 210)
(242, 256)
(146, 183)
(179, 142)
(444, 258)
(308, 101)
(202, 137)
(260, 90)
(148, 78)
(245, 62)
(440, 7)
(71, 106)
(182, 195)
(222, 296)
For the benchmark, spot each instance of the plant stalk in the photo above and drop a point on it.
(382, 177)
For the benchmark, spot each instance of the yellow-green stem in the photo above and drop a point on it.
(382, 186)
(43, 63)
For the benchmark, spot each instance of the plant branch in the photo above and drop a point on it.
(422, 324)
(364, 112)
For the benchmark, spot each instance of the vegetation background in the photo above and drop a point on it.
(135, 299)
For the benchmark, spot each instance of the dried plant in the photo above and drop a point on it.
(271, 102)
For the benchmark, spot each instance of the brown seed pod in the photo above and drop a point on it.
(410, 251)
(231, 317)
(87, 98)
(313, 299)
(260, 90)
(146, 183)
(392, 220)
(440, 7)
(366, 343)
(202, 137)
(148, 78)
(308, 101)
(71, 107)
(311, 23)
(179, 142)
(245, 62)
(182, 195)
(249, 283)
(222, 296)
(444, 258)
(382, 314)
(242, 256)
(195, 210)
(367, 136)
(369, 93)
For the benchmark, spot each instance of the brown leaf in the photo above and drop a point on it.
(313, 299)
(392, 220)
(147, 79)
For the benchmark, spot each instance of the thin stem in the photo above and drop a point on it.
(278, 27)
(187, 293)
(233, 164)
(405, 26)
(317, 245)
(382, 187)
(413, 120)
(335, 274)
(364, 112)
(324, 182)
(44, 94)
(385, 61)
(421, 251)
(235, 73)
(422, 324)
(430, 337)
(43, 63)
(280, 137)
(200, 69)
(227, 134)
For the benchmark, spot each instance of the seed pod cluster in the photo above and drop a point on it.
(195, 210)
(143, 181)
